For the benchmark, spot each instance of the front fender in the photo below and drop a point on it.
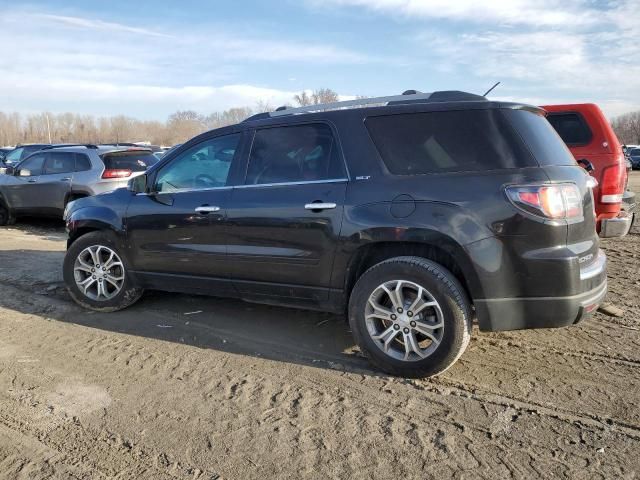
(91, 218)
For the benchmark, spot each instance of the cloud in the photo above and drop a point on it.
(513, 12)
(140, 99)
(90, 65)
(85, 23)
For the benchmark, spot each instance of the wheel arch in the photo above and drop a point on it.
(444, 252)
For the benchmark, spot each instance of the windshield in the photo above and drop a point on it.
(14, 156)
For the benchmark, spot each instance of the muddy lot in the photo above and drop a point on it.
(201, 388)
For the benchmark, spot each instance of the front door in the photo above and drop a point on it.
(20, 188)
(284, 222)
(177, 232)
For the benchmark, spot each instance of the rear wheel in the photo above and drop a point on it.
(410, 317)
(96, 274)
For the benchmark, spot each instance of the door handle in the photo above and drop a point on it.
(65, 179)
(33, 180)
(204, 209)
(320, 206)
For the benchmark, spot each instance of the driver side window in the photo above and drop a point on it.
(205, 165)
(34, 164)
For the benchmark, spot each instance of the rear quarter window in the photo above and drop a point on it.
(543, 141)
(572, 128)
(134, 161)
(450, 141)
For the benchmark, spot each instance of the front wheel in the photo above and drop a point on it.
(410, 317)
(5, 216)
(96, 274)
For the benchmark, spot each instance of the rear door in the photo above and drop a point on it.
(53, 186)
(285, 220)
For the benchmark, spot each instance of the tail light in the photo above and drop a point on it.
(116, 173)
(612, 183)
(560, 201)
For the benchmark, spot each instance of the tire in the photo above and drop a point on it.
(82, 255)
(4, 216)
(447, 322)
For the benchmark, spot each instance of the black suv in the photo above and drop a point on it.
(413, 214)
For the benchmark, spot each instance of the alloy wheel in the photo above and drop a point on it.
(404, 320)
(99, 273)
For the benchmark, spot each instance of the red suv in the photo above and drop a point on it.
(587, 133)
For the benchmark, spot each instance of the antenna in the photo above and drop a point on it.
(489, 91)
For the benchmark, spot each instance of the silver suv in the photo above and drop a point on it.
(44, 182)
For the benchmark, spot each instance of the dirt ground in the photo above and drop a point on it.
(186, 387)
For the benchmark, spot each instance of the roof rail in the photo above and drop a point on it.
(69, 145)
(409, 96)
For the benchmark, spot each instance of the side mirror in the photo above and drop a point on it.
(8, 170)
(23, 172)
(138, 184)
(586, 164)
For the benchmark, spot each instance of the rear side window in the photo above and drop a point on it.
(571, 127)
(129, 160)
(294, 154)
(59, 162)
(541, 138)
(451, 141)
(82, 163)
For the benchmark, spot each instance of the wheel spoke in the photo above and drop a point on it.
(424, 305)
(113, 282)
(392, 297)
(379, 311)
(83, 266)
(86, 283)
(387, 337)
(399, 294)
(427, 332)
(94, 256)
(412, 307)
(412, 342)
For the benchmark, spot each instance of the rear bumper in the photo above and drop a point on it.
(617, 227)
(499, 314)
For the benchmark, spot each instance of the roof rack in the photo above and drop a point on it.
(409, 96)
(69, 145)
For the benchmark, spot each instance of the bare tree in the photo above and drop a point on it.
(627, 128)
(179, 126)
(323, 95)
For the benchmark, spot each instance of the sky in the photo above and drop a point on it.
(147, 59)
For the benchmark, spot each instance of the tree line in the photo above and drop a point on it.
(627, 128)
(180, 126)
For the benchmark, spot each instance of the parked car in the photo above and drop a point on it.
(410, 213)
(22, 151)
(634, 158)
(4, 151)
(44, 182)
(592, 141)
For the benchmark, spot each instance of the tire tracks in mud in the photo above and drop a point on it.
(472, 391)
